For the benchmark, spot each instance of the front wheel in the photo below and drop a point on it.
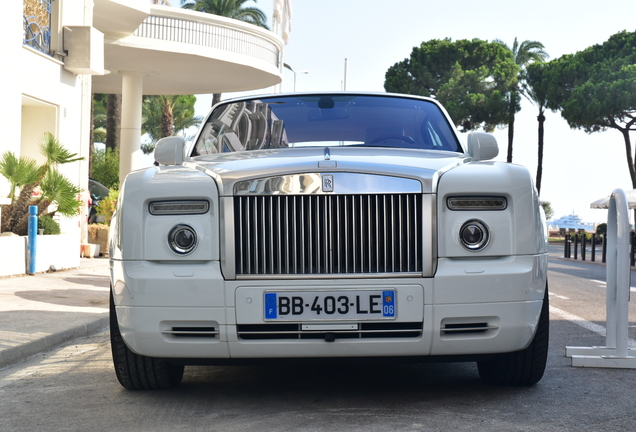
(137, 372)
(525, 367)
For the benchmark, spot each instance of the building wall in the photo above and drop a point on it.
(11, 43)
(41, 96)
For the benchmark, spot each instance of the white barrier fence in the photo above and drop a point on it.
(615, 353)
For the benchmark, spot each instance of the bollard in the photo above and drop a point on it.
(616, 353)
(32, 239)
(593, 247)
(565, 246)
(604, 249)
(576, 246)
(583, 245)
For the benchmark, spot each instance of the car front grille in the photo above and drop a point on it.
(328, 234)
(364, 331)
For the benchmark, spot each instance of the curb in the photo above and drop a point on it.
(20, 352)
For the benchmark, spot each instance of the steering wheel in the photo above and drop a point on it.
(381, 138)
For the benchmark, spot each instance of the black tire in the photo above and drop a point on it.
(525, 367)
(137, 372)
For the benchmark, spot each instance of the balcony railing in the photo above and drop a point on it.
(209, 35)
(37, 24)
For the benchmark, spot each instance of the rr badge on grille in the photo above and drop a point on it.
(327, 183)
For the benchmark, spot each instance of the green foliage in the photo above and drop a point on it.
(99, 117)
(106, 168)
(164, 116)
(55, 188)
(106, 207)
(55, 152)
(49, 225)
(471, 78)
(547, 208)
(595, 89)
(58, 189)
(601, 229)
(229, 8)
(18, 172)
(524, 54)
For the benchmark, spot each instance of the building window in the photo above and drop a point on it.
(37, 24)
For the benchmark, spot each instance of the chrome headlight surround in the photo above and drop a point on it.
(183, 239)
(474, 235)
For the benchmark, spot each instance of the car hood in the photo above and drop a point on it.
(422, 165)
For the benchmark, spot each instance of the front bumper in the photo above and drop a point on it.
(190, 312)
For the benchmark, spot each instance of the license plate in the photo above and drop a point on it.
(329, 305)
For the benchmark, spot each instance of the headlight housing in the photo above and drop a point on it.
(182, 239)
(474, 235)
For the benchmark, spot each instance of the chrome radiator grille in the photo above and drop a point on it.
(328, 234)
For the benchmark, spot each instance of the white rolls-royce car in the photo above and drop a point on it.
(328, 226)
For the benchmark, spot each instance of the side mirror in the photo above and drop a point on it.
(482, 146)
(169, 151)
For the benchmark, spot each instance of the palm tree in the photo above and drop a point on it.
(536, 84)
(165, 115)
(524, 54)
(113, 121)
(230, 9)
(55, 188)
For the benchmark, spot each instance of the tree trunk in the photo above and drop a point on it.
(628, 151)
(630, 159)
(541, 120)
(18, 221)
(113, 121)
(167, 118)
(511, 124)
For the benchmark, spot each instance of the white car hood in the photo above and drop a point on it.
(422, 165)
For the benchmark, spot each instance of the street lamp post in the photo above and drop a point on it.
(294, 72)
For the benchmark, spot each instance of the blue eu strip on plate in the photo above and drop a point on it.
(270, 306)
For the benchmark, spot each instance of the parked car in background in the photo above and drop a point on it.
(98, 192)
(328, 225)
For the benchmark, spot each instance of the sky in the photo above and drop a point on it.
(373, 35)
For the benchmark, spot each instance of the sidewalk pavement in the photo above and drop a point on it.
(42, 311)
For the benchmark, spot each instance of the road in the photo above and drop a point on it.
(74, 388)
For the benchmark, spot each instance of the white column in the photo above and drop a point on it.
(131, 99)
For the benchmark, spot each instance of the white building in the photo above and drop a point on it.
(67, 49)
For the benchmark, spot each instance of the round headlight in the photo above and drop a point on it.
(182, 239)
(474, 235)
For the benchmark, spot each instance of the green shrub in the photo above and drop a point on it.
(107, 206)
(106, 168)
(49, 225)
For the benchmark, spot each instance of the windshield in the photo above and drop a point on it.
(325, 120)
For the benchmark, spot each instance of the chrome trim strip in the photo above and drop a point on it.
(227, 241)
(328, 276)
(311, 183)
(429, 235)
(193, 333)
(336, 331)
(468, 329)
